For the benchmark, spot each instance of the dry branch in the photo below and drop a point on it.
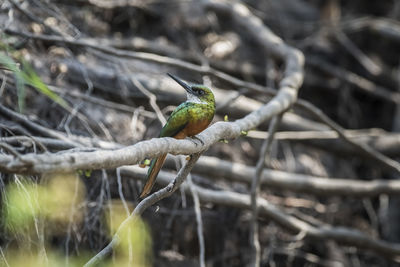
(385, 27)
(72, 161)
(68, 140)
(352, 78)
(255, 189)
(343, 235)
(104, 79)
(243, 19)
(384, 161)
(166, 49)
(280, 180)
(205, 70)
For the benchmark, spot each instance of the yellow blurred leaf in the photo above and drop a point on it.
(134, 236)
(21, 206)
(61, 198)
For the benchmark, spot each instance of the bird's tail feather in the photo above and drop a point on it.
(154, 169)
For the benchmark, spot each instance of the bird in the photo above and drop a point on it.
(188, 119)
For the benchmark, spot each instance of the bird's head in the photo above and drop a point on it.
(196, 93)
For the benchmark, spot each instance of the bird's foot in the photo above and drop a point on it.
(198, 139)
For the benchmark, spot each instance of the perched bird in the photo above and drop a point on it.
(188, 119)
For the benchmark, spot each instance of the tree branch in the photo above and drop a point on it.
(295, 182)
(343, 235)
(72, 161)
(172, 186)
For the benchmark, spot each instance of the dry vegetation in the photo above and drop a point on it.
(82, 84)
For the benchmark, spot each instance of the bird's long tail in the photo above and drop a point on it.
(154, 169)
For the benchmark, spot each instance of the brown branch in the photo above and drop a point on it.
(134, 154)
(205, 70)
(352, 78)
(383, 26)
(343, 235)
(280, 180)
(384, 142)
(16, 117)
(69, 140)
(384, 161)
(104, 79)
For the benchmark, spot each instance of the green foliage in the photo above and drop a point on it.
(21, 207)
(53, 200)
(10, 64)
(25, 75)
(31, 78)
(33, 213)
(86, 173)
(135, 238)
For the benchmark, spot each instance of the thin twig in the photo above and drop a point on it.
(4, 257)
(143, 205)
(352, 78)
(199, 221)
(3, 84)
(71, 219)
(255, 190)
(152, 100)
(35, 127)
(100, 101)
(364, 60)
(147, 57)
(72, 140)
(10, 150)
(367, 150)
(124, 203)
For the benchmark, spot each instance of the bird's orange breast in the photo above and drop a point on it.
(193, 128)
(196, 127)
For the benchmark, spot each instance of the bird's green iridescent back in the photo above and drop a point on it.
(188, 116)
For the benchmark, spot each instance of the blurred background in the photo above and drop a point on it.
(94, 73)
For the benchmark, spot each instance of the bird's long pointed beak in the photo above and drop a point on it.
(181, 83)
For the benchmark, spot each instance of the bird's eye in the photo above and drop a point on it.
(200, 92)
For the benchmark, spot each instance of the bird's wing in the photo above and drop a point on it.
(177, 121)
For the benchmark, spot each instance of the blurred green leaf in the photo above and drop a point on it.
(88, 173)
(32, 79)
(135, 237)
(10, 64)
(21, 206)
(28, 76)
